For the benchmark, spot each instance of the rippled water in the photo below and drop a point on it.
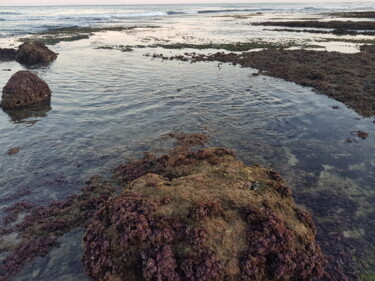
(108, 106)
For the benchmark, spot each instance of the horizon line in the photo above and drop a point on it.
(204, 3)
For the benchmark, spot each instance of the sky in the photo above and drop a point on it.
(125, 2)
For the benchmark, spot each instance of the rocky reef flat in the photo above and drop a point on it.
(186, 215)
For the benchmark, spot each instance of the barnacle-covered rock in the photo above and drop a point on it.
(34, 52)
(195, 215)
(25, 88)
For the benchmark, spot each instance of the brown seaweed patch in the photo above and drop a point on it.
(360, 134)
(169, 166)
(13, 150)
(186, 141)
(42, 226)
(199, 220)
(346, 25)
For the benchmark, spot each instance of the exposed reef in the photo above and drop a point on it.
(346, 25)
(192, 214)
(367, 14)
(338, 31)
(24, 88)
(234, 47)
(347, 78)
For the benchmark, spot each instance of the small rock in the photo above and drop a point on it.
(7, 54)
(361, 134)
(13, 150)
(34, 52)
(335, 107)
(368, 49)
(7, 69)
(24, 88)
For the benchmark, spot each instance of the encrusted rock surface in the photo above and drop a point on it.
(7, 54)
(195, 215)
(25, 88)
(192, 214)
(34, 52)
(368, 49)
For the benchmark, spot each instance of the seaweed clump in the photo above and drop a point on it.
(192, 216)
(41, 227)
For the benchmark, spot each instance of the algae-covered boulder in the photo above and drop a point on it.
(24, 88)
(200, 215)
(34, 52)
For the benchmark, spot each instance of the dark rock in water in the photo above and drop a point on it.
(7, 54)
(360, 134)
(25, 88)
(13, 150)
(368, 49)
(34, 52)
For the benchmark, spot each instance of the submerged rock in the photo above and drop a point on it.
(368, 49)
(194, 215)
(34, 52)
(13, 150)
(25, 88)
(7, 54)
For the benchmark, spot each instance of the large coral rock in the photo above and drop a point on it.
(201, 215)
(25, 88)
(34, 52)
(7, 54)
